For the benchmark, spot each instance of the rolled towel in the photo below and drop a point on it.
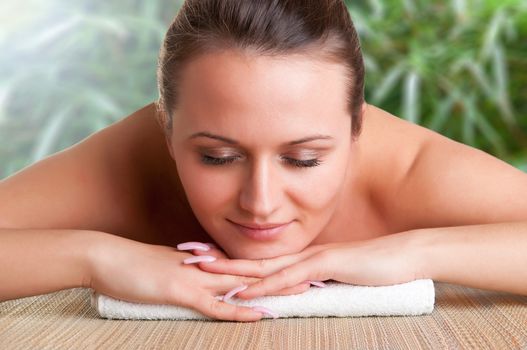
(336, 299)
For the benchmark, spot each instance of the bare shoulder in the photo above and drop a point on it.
(441, 182)
(387, 148)
(93, 185)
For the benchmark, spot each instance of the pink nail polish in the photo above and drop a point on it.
(193, 245)
(265, 310)
(231, 293)
(318, 283)
(201, 258)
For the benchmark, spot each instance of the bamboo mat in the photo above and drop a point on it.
(462, 318)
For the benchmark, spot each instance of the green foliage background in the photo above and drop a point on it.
(70, 68)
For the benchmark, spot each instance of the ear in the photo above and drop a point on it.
(161, 117)
(168, 143)
(363, 112)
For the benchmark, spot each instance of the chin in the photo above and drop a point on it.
(266, 252)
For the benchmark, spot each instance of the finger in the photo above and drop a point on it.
(217, 253)
(301, 288)
(261, 267)
(233, 291)
(218, 309)
(291, 276)
(198, 248)
(298, 289)
(194, 259)
(226, 283)
(194, 245)
(319, 284)
(255, 268)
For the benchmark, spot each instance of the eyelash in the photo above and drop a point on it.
(295, 162)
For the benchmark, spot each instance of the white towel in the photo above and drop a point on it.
(337, 299)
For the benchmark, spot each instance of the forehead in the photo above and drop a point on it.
(223, 86)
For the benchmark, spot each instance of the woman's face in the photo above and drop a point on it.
(260, 175)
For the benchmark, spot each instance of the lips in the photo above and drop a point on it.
(261, 232)
(255, 226)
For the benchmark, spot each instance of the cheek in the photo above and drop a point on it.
(318, 188)
(206, 190)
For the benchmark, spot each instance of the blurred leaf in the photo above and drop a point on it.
(388, 83)
(411, 97)
(49, 135)
(68, 69)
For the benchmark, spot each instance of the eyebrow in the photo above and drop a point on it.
(234, 142)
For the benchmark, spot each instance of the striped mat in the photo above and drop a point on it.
(463, 318)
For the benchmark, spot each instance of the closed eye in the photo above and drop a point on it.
(295, 162)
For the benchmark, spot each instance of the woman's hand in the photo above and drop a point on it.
(154, 274)
(384, 260)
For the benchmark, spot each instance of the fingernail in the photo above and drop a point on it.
(201, 258)
(211, 245)
(193, 245)
(234, 291)
(318, 284)
(265, 311)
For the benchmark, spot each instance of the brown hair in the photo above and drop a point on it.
(319, 28)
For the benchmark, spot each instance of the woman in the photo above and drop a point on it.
(262, 143)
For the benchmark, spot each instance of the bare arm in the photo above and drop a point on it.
(490, 256)
(34, 262)
(470, 210)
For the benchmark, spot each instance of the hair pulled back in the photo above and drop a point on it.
(319, 28)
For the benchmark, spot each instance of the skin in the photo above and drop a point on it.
(139, 184)
(287, 99)
(398, 203)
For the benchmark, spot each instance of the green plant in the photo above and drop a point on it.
(68, 69)
(457, 67)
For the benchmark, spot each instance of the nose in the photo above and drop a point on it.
(260, 192)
